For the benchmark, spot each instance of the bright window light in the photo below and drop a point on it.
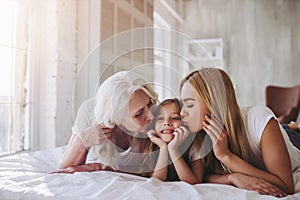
(7, 10)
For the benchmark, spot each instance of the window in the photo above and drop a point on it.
(205, 52)
(12, 75)
(113, 17)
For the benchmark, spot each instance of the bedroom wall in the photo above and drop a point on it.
(261, 47)
(66, 68)
(65, 33)
(261, 41)
(52, 62)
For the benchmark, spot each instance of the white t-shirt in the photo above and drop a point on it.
(85, 116)
(256, 119)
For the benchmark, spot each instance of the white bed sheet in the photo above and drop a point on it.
(26, 176)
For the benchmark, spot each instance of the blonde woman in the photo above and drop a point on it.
(250, 149)
(111, 126)
(172, 154)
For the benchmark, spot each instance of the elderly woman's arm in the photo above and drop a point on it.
(80, 144)
(76, 153)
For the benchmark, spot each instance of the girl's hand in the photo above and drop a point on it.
(218, 135)
(251, 183)
(95, 135)
(180, 134)
(156, 140)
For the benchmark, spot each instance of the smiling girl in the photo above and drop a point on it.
(172, 152)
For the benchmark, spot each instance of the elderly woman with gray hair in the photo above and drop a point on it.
(111, 128)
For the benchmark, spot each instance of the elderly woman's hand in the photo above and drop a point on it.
(90, 167)
(95, 135)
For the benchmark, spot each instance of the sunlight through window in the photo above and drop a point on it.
(7, 11)
(7, 37)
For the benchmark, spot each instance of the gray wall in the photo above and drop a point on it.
(261, 41)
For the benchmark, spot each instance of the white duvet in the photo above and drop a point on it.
(26, 176)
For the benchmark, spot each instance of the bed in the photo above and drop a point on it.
(26, 176)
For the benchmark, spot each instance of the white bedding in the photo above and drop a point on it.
(26, 176)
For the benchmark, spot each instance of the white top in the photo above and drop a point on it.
(256, 119)
(85, 116)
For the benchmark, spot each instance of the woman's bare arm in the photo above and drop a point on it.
(246, 182)
(75, 154)
(80, 144)
(274, 153)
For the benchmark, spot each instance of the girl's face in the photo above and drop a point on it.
(140, 115)
(168, 119)
(193, 109)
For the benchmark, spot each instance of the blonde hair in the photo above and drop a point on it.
(111, 104)
(214, 87)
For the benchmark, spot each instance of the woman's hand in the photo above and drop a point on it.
(156, 140)
(95, 135)
(218, 135)
(180, 134)
(90, 167)
(251, 183)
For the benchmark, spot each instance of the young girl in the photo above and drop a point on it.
(173, 143)
(250, 148)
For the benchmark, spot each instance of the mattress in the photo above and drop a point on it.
(28, 176)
